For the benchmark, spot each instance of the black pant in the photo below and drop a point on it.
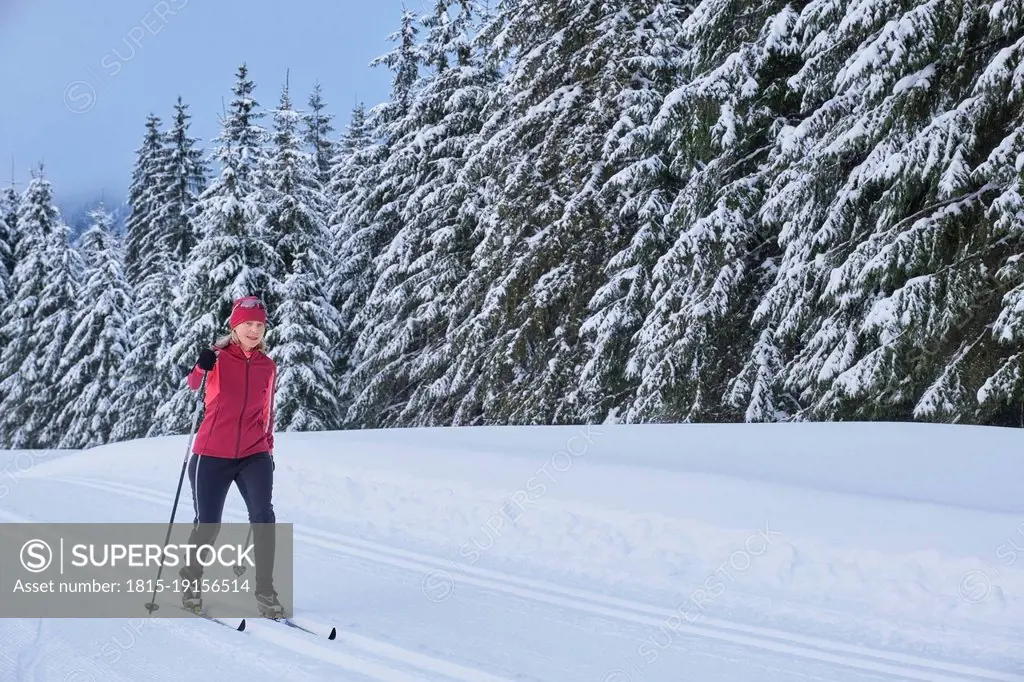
(211, 479)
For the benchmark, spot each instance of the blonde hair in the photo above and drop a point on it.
(232, 337)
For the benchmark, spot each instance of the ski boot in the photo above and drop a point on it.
(269, 606)
(191, 598)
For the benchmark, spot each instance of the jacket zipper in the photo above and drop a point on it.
(245, 397)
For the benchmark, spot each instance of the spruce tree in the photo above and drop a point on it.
(643, 148)
(549, 230)
(293, 213)
(92, 366)
(446, 210)
(9, 202)
(148, 381)
(367, 226)
(37, 319)
(181, 179)
(143, 200)
(20, 366)
(353, 172)
(721, 121)
(307, 386)
(402, 346)
(291, 200)
(317, 135)
(8, 245)
(880, 198)
(997, 110)
(60, 300)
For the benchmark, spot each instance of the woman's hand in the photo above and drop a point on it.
(207, 359)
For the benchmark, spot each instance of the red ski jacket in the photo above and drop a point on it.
(239, 416)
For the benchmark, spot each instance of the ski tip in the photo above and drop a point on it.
(241, 626)
(334, 633)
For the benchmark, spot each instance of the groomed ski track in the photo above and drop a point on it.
(750, 647)
(349, 652)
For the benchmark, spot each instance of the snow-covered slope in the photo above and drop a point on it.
(605, 553)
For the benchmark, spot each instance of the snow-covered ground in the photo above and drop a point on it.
(609, 553)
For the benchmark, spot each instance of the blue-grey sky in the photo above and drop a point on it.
(77, 79)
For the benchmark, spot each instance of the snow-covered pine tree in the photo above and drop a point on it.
(291, 200)
(37, 319)
(231, 259)
(293, 210)
(403, 345)
(92, 366)
(549, 233)
(880, 203)
(181, 179)
(58, 302)
(143, 202)
(722, 122)
(148, 381)
(354, 158)
(307, 386)
(9, 202)
(451, 212)
(353, 172)
(37, 220)
(1000, 105)
(639, 191)
(367, 226)
(8, 208)
(317, 135)
(753, 388)
(178, 178)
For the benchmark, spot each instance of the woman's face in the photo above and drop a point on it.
(250, 333)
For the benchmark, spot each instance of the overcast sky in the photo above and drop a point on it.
(78, 78)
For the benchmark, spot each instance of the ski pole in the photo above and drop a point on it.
(152, 606)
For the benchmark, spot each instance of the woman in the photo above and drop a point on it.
(235, 444)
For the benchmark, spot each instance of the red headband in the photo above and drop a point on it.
(247, 309)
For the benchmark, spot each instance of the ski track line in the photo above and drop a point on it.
(302, 643)
(379, 649)
(309, 646)
(421, 661)
(28, 659)
(855, 656)
(79, 660)
(289, 641)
